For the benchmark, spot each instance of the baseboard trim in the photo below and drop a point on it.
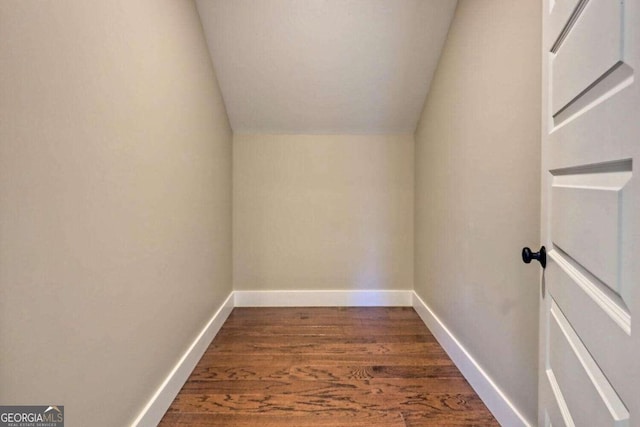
(156, 407)
(497, 402)
(285, 298)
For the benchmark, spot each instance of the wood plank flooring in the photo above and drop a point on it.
(326, 366)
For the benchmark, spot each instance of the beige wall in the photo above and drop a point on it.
(322, 212)
(477, 190)
(115, 201)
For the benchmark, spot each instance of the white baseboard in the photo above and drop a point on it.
(499, 405)
(155, 409)
(364, 298)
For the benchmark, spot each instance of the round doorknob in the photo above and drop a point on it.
(540, 256)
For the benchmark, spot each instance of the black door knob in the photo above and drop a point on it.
(541, 256)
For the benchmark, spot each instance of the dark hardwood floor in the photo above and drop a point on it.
(329, 366)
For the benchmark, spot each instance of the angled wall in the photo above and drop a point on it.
(115, 201)
(477, 191)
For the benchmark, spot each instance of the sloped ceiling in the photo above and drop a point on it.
(325, 66)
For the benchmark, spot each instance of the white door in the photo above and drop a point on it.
(590, 294)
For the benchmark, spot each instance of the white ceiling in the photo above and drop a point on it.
(325, 66)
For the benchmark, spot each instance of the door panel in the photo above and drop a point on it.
(588, 48)
(603, 327)
(580, 378)
(556, 411)
(559, 17)
(589, 337)
(595, 198)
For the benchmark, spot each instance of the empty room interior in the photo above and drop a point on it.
(176, 173)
